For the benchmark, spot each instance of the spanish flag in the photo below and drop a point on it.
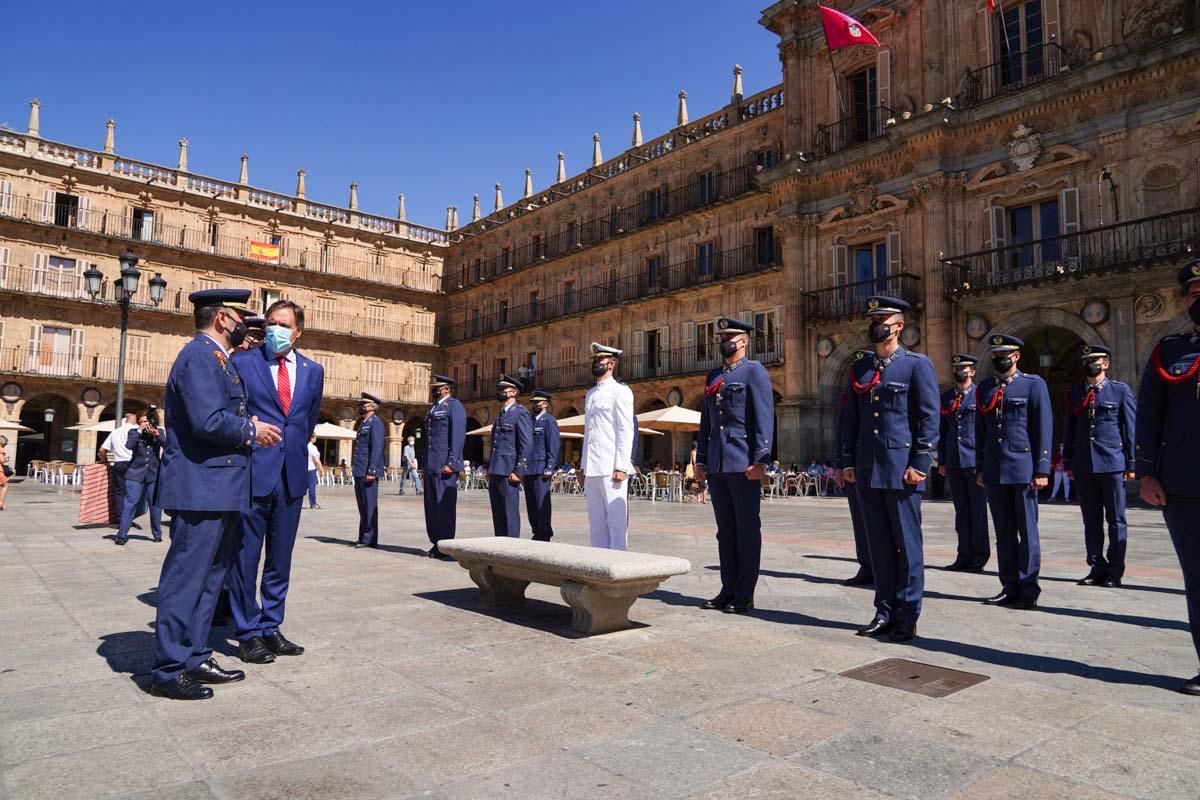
(267, 253)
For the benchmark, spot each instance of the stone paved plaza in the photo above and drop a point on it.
(407, 690)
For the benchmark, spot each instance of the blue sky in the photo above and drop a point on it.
(436, 100)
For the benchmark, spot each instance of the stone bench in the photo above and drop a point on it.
(599, 585)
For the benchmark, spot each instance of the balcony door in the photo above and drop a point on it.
(862, 89)
(1021, 36)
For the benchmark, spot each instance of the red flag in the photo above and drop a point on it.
(843, 31)
(991, 6)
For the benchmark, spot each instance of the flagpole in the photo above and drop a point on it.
(1007, 39)
(841, 101)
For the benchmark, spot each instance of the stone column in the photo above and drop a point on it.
(799, 247)
(346, 446)
(393, 445)
(85, 442)
(926, 246)
(1122, 332)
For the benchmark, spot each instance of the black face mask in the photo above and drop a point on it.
(728, 349)
(879, 332)
(502, 396)
(598, 370)
(1194, 312)
(362, 411)
(960, 376)
(238, 335)
(1093, 369)
(1002, 364)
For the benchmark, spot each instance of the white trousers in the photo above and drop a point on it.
(608, 511)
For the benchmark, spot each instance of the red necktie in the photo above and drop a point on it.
(285, 386)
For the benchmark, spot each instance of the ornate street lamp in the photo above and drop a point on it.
(126, 286)
(48, 417)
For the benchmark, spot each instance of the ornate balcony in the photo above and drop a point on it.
(850, 300)
(851, 131)
(1013, 72)
(1124, 247)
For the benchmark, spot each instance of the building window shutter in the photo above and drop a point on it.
(895, 254)
(639, 353)
(883, 73)
(1051, 11)
(35, 346)
(77, 351)
(996, 226)
(840, 264)
(39, 272)
(984, 36)
(48, 206)
(6, 198)
(84, 219)
(4, 254)
(664, 347)
(81, 267)
(689, 345)
(1069, 210)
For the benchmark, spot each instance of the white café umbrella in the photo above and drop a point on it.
(577, 422)
(99, 427)
(671, 418)
(6, 425)
(327, 430)
(486, 430)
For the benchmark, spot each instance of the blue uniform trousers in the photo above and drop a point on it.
(506, 506)
(970, 516)
(441, 505)
(537, 506)
(893, 521)
(367, 495)
(135, 493)
(736, 501)
(202, 546)
(271, 520)
(117, 476)
(1018, 548)
(312, 487)
(862, 550)
(1101, 497)
(1182, 515)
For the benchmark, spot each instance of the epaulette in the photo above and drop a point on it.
(1172, 337)
(915, 354)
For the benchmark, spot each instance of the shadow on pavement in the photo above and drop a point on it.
(387, 548)
(780, 616)
(533, 613)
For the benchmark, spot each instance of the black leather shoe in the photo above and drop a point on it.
(1191, 687)
(1090, 580)
(120, 541)
(903, 633)
(210, 672)
(433, 552)
(1111, 583)
(975, 567)
(253, 651)
(861, 579)
(158, 538)
(181, 688)
(739, 608)
(357, 545)
(876, 627)
(278, 644)
(1010, 601)
(957, 566)
(719, 602)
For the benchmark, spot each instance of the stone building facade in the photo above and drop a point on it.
(371, 286)
(1034, 173)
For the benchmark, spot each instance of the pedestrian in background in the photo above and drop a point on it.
(314, 470)
(5, 471)
(367, 469)
(409, 468)
(145, 443)
(114, 451)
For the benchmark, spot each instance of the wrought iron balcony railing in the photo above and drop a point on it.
(650, 282)
(706, 190)
(1014, 72)
(854, 129)
(676, 362)
(200, 239)
(850, 300)
(1137, 244)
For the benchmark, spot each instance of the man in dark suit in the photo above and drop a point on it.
(1167, 440)
(512, 438)
(888, 447)
(446, 433)
(957, 464)
(204, 482)
(145, 443)
(1014, 427)
(543, 459)
(367, 468)
(285, 389)
(1098, 456)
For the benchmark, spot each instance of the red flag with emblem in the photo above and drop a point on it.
(842, 30)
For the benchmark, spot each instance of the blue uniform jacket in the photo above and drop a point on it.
(206, 463)
(290, 455)
(144, 458)
(512, 441)
(1098, 436)
(737, 418)
(956, 438)
(893, 425)
(1014, 437)
(446, 429)
(368, 449)
(1168, 422)
(543, 456)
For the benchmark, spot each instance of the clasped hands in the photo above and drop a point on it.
(265, 433)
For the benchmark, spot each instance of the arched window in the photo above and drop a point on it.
(1161, 190)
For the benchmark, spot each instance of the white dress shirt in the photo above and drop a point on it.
(117, 443)
(608, 429)
(273, 363)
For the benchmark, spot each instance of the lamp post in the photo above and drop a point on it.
(48, 417)
(126, 286)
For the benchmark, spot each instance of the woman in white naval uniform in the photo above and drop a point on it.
(608, 435)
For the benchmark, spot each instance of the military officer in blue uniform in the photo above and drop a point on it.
(733, 449)
(446, 433)
(1014, 428)
(957, 463)
(862, 551)
(1098, 456)
(204, 482)
(512, 440)
(887, 452)
(543, 459)
(367, 468)
(1167, 440)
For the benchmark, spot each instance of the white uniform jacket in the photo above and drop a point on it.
(608, 432)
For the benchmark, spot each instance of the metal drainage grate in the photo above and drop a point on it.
(913, 676)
